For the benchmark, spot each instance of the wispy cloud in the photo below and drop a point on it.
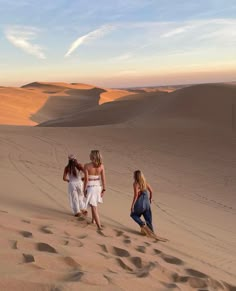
(176, 31)
(21, 37)
(93, 35)
(122, 57)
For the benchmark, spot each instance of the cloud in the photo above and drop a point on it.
(93, 35)
(123, 57)
(176, 31)
(21, 37)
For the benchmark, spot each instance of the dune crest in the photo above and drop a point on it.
(211, 106)
(39, 102)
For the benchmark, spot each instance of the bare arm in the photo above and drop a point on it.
(85, 178)
(103, 177)
(135, 186)
(79, 166)
(65, 175)
(150, 193)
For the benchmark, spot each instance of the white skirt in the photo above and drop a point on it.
(76, 196)
(94, 190)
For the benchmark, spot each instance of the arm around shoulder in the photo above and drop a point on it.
(79, 166)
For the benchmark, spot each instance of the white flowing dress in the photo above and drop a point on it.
(75, 193)
(94, 190)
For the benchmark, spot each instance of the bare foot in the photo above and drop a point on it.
(78, 214)
(84, 212)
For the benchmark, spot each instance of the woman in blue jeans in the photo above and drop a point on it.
(141, 205)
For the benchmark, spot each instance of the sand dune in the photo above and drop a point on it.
(45, 248)
(17, 105)
(184, 142)
(198, 106)
(41, 101)
(54, 86)
(62, 104)
(116, 112)
(111, 95)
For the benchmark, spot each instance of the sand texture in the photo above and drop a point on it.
(184, 141)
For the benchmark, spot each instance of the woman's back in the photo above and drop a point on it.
(93, 170)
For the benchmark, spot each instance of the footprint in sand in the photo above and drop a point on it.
(83, 236)
(172, 286)
(196, 273)
(123, 265)
(120, 252)
(157, 252)
(26, 221)
(127, 241)
(137, 261)
(28, 258)
(197, 282)
(100, 232)
(26, 234)
(45, 229)
(145, 271)
(75, 277)
(13, 244)
(43, 247)
(104, 248)
(141, 249)
(171, 260)
(71, 262)
(118, 232)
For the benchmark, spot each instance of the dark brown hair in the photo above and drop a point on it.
(71, 167)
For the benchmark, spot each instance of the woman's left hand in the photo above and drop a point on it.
(103, 192)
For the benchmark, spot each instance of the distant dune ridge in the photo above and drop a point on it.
(62, 104)
(182, 138)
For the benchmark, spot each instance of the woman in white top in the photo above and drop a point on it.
(94, 184)
(75, 185)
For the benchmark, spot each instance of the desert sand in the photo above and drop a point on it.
(184, 141)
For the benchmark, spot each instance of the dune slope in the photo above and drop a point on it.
(198, 106)
(43, 247)
(41, 101)
(18, 104)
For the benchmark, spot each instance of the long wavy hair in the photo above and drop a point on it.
(71, 167)
(96, 158)
(140, 180)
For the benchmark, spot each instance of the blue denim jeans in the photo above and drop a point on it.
(147, 214)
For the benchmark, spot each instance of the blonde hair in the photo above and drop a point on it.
(140, 180)
(96, 158)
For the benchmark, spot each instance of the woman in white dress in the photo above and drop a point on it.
(94, 184)
(75, 185)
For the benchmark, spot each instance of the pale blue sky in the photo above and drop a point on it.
(117, 43)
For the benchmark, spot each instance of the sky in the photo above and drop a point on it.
(117, 43)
